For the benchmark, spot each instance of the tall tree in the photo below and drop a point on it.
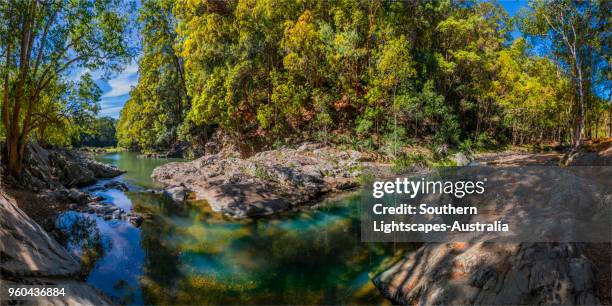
(41, 42)
(571, 28)
(160, 98)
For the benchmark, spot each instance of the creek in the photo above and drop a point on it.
(188, 254)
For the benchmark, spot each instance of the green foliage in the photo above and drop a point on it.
(408, 162)
(269, 69)
(95, 132)
(151, 118)
(366, 178)
(372, 74)
(41, 43)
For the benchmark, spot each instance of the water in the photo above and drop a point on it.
(187, 254)
(138, 169)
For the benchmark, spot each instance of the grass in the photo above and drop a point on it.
(261, 173)
(442, 163)
(365, 178)
(409, 162)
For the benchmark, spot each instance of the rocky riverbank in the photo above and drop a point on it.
(48, 186)
(268, 182)
(50, 181)
(483, 272)
(30, 256)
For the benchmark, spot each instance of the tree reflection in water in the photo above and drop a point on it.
(81, 235)
(195, 256)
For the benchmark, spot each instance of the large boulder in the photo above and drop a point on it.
(27, 249)
(176, 193)
(268, 182)
(460, 159)
(101, 170)
(50, 167)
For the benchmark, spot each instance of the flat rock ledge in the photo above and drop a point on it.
(491, 274)
(268, 182)
(509, 273)
(30, 256)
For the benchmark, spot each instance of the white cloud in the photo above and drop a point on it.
(110, 112)
(76, 74)
(123, 82)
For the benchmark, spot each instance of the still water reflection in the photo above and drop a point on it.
(187, 254)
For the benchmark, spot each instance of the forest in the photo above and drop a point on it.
(375, 75)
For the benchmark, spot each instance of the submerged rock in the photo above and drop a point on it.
(110, 211)
(176, 193)
(116, 185)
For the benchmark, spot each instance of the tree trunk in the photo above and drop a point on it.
(14, 159)
(580, 138)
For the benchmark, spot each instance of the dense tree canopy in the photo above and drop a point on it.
(377, 74)
(374, 74)
(155, 110)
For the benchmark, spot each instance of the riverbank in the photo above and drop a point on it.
(48, 186)
(482, 272)
(30, 256)
(187, 253)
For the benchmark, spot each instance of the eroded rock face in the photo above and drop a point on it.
(491, 274)
(50, 168)
(268, 182)
(26, 248)
(31, 256)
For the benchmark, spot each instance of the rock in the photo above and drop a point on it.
(116, 185)
(176, 193)
(78, 196)
(490, 274)
(31, 256)
(69, 169)
(101, 170)
(135, 219)
(52, 166)
(478, 271)
(27, 249)
(152, 155)
(460, 159)
(266, 183)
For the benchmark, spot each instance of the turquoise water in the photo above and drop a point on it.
(187, 254)
(138, 170)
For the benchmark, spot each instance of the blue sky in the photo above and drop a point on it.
(115, 90)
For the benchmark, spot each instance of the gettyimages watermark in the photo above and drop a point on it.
(510, 204)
